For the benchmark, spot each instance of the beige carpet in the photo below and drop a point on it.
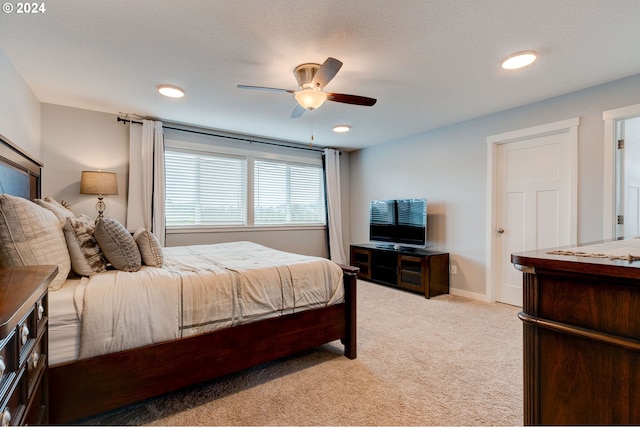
(444, 361)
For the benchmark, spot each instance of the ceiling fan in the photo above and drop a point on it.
(312, 78)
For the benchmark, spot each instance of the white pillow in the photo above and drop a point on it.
(150, 248)
(32, 235)
(86, 256)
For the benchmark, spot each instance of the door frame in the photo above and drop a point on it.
(610, 170)
(493, 141)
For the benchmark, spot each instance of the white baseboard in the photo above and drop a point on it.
(467, 294)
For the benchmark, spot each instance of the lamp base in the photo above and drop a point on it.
(100, 207)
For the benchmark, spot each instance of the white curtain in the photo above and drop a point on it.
(332, 173)
(146, 179)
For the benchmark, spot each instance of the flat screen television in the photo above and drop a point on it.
(399, 222)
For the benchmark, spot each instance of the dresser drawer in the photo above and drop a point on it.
(12, 408)
(26, 335)
(37, 410)
(40, 313)
(36, 362)
(8, 362)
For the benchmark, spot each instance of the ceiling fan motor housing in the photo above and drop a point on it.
(305, 73)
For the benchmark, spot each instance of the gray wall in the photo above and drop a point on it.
(74, 140)
(448, 167)
(19, 110)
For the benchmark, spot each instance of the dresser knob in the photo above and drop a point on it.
(24, 334)
(5, 417)
(40, 310)
(34, 359)
(3, 366)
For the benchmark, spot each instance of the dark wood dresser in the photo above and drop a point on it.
(581, 331)
(24, 344)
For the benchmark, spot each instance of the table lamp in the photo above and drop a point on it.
(100, 183)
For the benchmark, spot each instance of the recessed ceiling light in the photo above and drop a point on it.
(171, 91)
(341, 128)
(519, 60)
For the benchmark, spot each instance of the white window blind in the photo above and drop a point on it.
(205, 188)
(288, 193)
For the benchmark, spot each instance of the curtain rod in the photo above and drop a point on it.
(227, 136)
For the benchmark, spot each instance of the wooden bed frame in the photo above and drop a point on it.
(90, 386)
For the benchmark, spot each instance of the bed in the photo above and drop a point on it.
(86, 379)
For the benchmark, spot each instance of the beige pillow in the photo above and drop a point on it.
(117, 244)
(32, 235)
(150, 248)
(86, 256)
(55, 202)
(58, 210)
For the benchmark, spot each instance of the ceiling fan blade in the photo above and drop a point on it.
(270, 89)
(298, 111)
(326, 72)
(351, 99)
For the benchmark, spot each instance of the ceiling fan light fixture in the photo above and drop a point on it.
(341, 128)
(519, 60)
(171, 91)
(310, 98)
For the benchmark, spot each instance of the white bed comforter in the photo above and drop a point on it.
(200, 289)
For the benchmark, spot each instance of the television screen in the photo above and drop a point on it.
(382, 220)
(401, 221)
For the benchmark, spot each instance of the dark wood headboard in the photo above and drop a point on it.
(19, 172)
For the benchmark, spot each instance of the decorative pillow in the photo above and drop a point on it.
(58, 210)
(150, 248)
(32, 235)
(117, 244)
(86, 256)
(61, 204)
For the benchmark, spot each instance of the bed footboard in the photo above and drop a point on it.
(98, 384)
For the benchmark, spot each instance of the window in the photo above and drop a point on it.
(213, 189)
(286, 193)
(205, 189)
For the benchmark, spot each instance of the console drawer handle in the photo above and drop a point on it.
(40, 310)
(24, 334)
(3, 366)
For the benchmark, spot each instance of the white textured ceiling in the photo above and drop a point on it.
(430, 63)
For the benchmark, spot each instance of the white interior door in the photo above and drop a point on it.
(613, 172)
(628, 203)
(535, 199)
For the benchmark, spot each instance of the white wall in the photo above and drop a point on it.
(448, 167)
(19, 110)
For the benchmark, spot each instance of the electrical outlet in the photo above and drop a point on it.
(453, 269)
